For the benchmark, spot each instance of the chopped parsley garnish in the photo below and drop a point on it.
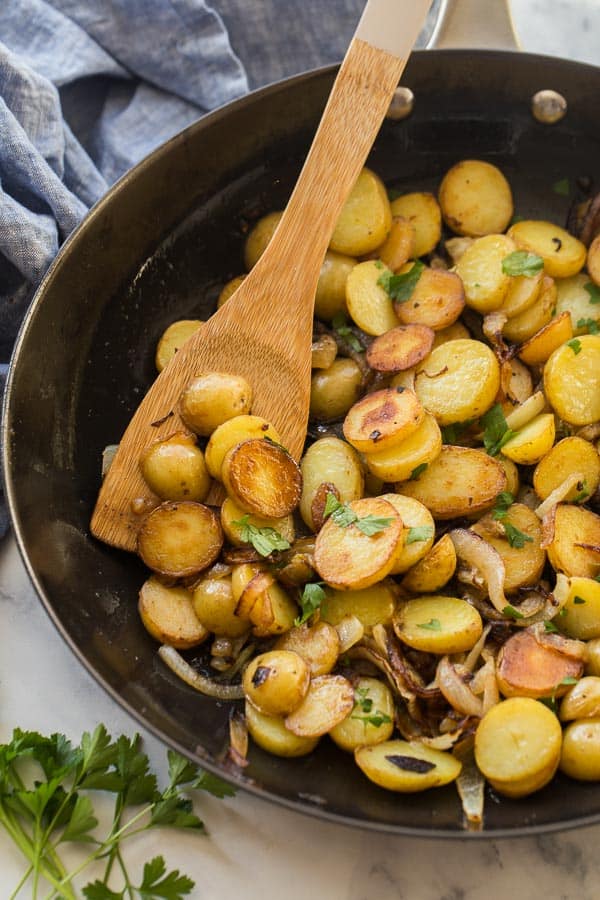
(432, 625)
(575, 345)
(312, 597)
(344, 516)
(504, 501)
(550, 627)
(418, 470)
(451, 433)
(264, 540)
(496, 432)
(419, 533)
(511, 613)
(364, 704)
(341, 326)
(401, 287)
(562, 187)
(593, 290)
(276, 444)
(591, 325)
(578, 600)
(583, 493)
(521, 262)
(569, 680)
(514, 536)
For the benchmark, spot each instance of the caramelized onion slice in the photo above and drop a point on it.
(476, 555)
(177, 664)
(458, 694)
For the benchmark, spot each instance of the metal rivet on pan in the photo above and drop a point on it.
(402, 104)
(548, 107)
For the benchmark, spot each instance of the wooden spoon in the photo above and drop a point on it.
(264, 330)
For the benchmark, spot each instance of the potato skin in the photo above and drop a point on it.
(365, 219)
(168, 615)
(175, 469)
(383, 419)
(180, 539)
(276, 682)
(333, 462)
(263, 478)
(270, 733)
(475, 198)
(580, 757)
(438, 624)
(389, 765)
(173, 338)
(334, 390)
(212, 398)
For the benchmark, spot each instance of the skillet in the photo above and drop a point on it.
(158, 247)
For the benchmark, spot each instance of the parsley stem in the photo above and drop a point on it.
(21, 883)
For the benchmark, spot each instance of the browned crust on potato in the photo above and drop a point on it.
(526, 668)
(400, 348)
(383, 419)
(263, 478)
(180, 538)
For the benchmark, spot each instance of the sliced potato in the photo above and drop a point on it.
(512, 474)
(330, 299)
(407, 767)
(366, 218)
(400, 348)
(419, 449)
(517, 746)
(575, 548)
(563, 254)
(580, 757)
(433, 571)
(323, 352)
(476, 198)
(480, 270)
(276, 682)
(523, 291)
(232, 512)
(422, 210)
(334, 390)
(180, 539)
(370, 721)
(451, 333)
(459, 380)
(544, 342)
(574, 297)
(572, 380)
(173, 339)
(532, 442)
(168, 615)
(523, 562)
(458, 482)
(399, 245)
(231, 433)
(174, 469)
(347, 558)
(524, 325)
(242, 575)
(383, 419)
(436, 301)
(582, 701)
(419, 531)
(329, 700)
(214, 605)
(329, 461)
(259, 237)
(369, 304)
(270, 733)
(580, 616)
(438, 624)
(318, 645)
(572, 454)
(593, 260)
(526, 668)
(229, 289)
(265, 603)
(212, 398)
(371, 606)
(262, 478)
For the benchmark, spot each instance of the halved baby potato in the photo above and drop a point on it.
(572, 454)
(318, 645)
(581, 616)
(399, 245)
(365, 219)
(563, 254)
(383, 419)
(523, 291)
(527, 668)
(180, 539)
(371, 606)
(582, 701)
(580, 757)
(524, 562)
(334, 390)
(276, 682)
(423, 212)
(407, 767)
(214, 605)
(480, 270)
(262, 478)
(419, 531)
(370, 721)
(212, 398)
(168, 615)
(532, 442)
(437, 300)
(265, 603)
(434, 570)
(400, 348)
(174, 469)
(259, 237)
(419, 449)
(232, 512)
(544, 342)
(270, 733)
(476, 198)
(333, 463)
(329, 700)
(231, 433)
(369, 304)
(575, 547)
(521, 327)
(173, 338)
(572, 380)
(229, 289)
(574, 297)
(330, 298)
(438, 624)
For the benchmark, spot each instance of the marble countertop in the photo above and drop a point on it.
(260, 851)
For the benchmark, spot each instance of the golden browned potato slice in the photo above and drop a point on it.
(433, 571)
(366, 218)
(334, 390)
(532, 442)
(276, 682)
(523, 326)
(371, 606)
(423, 212)
(214, 605)
(262, 478)
(580, 756)
(517, 746)
(180, 539)
(369, 304)
(480, 269)
(451, 333)
(212, 398)
(231, 513)
(575, 549)
(458, 381)
(168, 615)
(512, 475)
(419, 531)
(259, 237)
(173, 338)
(563, 254)
(407, 767)
(328, 701)
(581, 617)
(438, 624)
(242, 575)
(229, 289)
(475, 198)
(436, 301)
(572, 454)
(400, 348)
(333, 463)
(231, 433)
(592, 656)
(267, 605)
(383, 419)
(370, 721)
(582, 701)
(523, 291)
(593, 260)
(574, 296)
(523, 559)
(544, 342)
(572, 380)
(330, 299)
(318, 645)
(458, 482)
(527, 668)
(417, 450)
(347, 558)
(270, 733)
(174, 469)
(399, 246)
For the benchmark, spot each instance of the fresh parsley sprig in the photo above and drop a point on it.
(521, 262)
(401, 287)
(593, 290)
(496, 432)
(343, 515)
(311, 599)
(264, 540)
(340, 325)
(363, 710)
(514, 536)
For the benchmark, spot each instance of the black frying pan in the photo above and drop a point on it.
(159, 247)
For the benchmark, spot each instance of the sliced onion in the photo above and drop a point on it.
(567, 646)
(526, 411)
(470, 785)
(559, 493)
(177, 664)
(475, 651)
(492, 326)
(456, 692)
(350, 631)
(474, 552)
(397, 685)
(238, 739)
(108, 454)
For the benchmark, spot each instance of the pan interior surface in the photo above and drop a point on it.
(158, 248)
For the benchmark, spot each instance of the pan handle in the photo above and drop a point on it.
(473, 23)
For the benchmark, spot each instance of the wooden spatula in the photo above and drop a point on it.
(264, 330)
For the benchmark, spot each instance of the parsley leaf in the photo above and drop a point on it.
(575, 345)
(496, 432)
(343, 516)
(419, 533)
(172, 886)
(432, 625)
(583, 491)
(578, 600)
(504, 501)
(511, 613)
(264, 540)
(521, 262)
(451, 433)
(340, 325)
(310, 601)
(364, 703)
(371, 525)
(550, 627)
(593, 290)
(516, 537)
(591, 324)
(401, 287)
(569, 680)
(418, 470)
(562, 187)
